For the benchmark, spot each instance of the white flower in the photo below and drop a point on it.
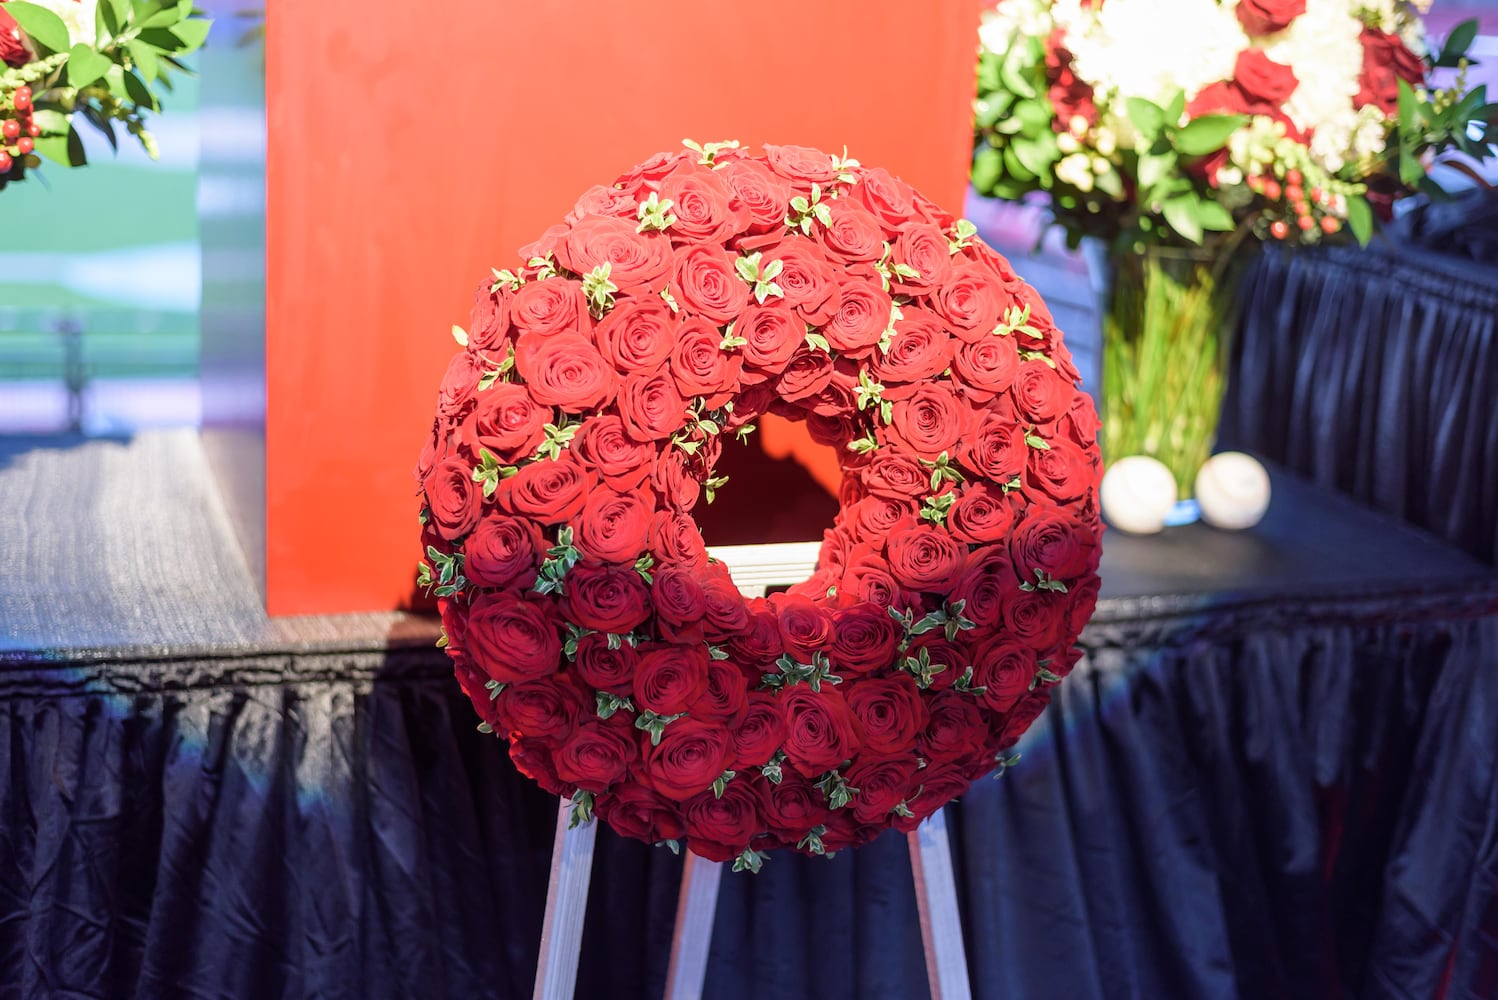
(1323, 50)
(1011, 20)
(78, 15)
(1076, 170)
(1151, 48)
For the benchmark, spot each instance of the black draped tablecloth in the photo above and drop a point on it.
(1273, 775)
(1375, 372)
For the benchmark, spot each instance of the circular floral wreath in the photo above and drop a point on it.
(583, 419)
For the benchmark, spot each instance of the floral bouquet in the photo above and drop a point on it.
(1177, 132)
(99, 60)
(583, 416)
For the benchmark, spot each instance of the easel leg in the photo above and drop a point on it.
(566, 903)
(936, 900)
(694, 928)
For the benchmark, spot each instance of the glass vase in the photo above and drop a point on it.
(1167, 317)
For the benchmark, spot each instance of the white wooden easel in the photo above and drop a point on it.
(754, 568)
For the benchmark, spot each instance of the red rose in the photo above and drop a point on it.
(453, 498)
(805, 626)
(1080, 423)
(654, 170)
(765, 196)
(606, 598)
(800, 163)
(972, 302)
(851, 235)
(1262, 80)
(727, 614)
(1083, 602)
(13, 50)
(636, 336)
(867, 578)
(888, 199)
(864, 638)
(882, 783)
(809, 284)
(651, 407)
(510, 639)
(897, 476)
(771, 334)
(1004, 669)
(533, 759)
(987, 578)
(951, 657)
(555, 305)
(1062, 472)
(458, 384)
(794, 807)
(844, 831)
(669, 679)
(953, 730)
(821, 732)
(600, 200)
(702, 204)
(1068, 94)
(551, 491)
(1265, 17)
(938, 786)
(1042, 394)
(544, 246)
(981, 514)
(1036, 617)
(507, 422)
(489, 322)
(635, 811)
(930, 421)
(922, 248)
(874, 516)
(636, 260)
(760, 732)
(863, 314)
(700, 365)
(805, 375)
(675, 541)
(614, 527)
(595, 756)
(674, 481)
(1052, 540)
(1021, 716)
(891, 712)
(719, 828)
(604, 668)
(1386, 61)
(924, 557)
(996, 449)
(689, 758)
(600, 444)
(503, 552)
(725, 699)
(758, 644)
(921, 348)
(680, 603)
(566, 371)
(707, 284)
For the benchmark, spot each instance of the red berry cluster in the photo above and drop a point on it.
(18, 131)
(1303, 205)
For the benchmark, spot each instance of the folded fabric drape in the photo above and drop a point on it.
(1264, 799)
(1375, 372)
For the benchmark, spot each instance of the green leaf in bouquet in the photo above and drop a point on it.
(50, 121)
(1147, 116)
(1214, 216)
(145, 59)
(1154, 168)
(139, 93)
(1110, 184)
(1360, 218)
(64, 149)
(1180, 213)
(1207, 134)
(1407, 102)
(1034, 117)
(1175, 108)
(1012, 72)
(1015, 168)
(164, 18)
(104, 124)
(192, 33)
(988, 166)
(1033, 155)
(1457, 43)
(106, 24)
(85, 66)
(120, 12)
(44, 27)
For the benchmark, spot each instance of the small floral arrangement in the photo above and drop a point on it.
(1166, 121)
(581, 420)
(101, 61)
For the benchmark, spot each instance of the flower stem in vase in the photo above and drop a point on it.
(1165, 346)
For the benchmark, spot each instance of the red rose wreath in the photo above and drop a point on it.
(582, 420)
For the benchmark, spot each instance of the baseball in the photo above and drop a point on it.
(1233, 491)
(1138, 492)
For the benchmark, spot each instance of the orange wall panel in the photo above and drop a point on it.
(405, 159)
